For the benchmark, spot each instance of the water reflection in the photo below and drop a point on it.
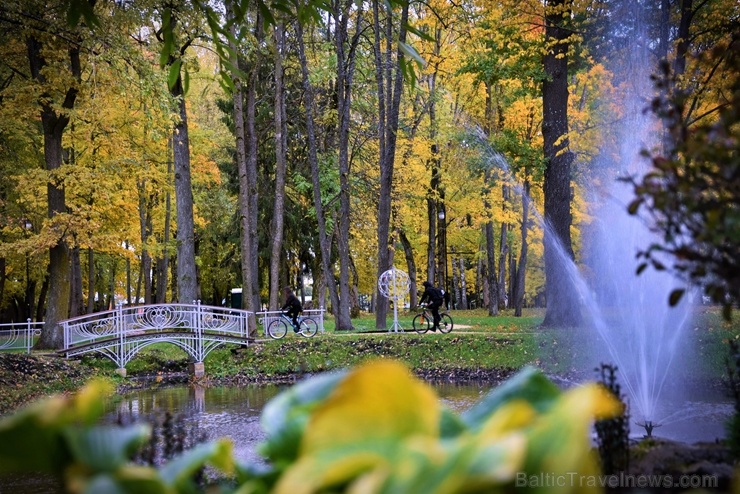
(234, 412)
(231, 412)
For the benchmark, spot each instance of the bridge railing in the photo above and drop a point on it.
(140, 320)
(266, 317)
(19, 335)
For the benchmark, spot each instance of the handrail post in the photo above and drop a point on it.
(29, 335)
(67, 336)
(197, 368)
(120, 329)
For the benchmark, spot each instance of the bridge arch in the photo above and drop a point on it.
(121, 333)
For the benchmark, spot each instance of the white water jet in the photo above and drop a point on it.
(627, 319)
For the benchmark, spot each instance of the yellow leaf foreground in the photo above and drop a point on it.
(379, 432)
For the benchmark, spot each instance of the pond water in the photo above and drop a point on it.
(234, 412)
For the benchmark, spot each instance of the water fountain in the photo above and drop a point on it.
(627, 319)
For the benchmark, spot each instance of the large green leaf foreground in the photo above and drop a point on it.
(372, 429)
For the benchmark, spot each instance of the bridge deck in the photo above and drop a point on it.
(150, 338)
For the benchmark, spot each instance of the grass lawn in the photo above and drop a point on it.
(475, 321)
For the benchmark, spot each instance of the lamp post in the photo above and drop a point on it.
(28, 228)
(442, 247)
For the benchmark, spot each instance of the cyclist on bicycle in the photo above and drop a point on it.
(292, 307)
(435, 297)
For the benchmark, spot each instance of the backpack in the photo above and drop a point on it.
(436, 295)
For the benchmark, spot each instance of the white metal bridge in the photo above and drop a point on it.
(121, 333)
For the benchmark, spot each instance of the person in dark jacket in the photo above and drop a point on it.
(292, 307)
(435, 298)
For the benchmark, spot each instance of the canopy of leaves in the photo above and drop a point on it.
(693, 191)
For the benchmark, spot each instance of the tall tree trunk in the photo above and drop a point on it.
(111, 298)
(432, 226)
(408, 253)
(510, 296)
(492, 282)
(479, 283)
(319, 286)
(389, 101)
(683, 36)
(562, 305)
(187, 280)
(41, 305)
(75, 298)
(441, 218)
(137, 295)
(354, 290)
(324, 240)
(128, 282)
(503, 249)
(281, 146)
(346, 54)
(144, 231)
(248, 188)
(522, 267)
(54, 119)
(240, 133)
(454, 289)
(4, 277)
(163, 261)
(463, 286)
(29, 301)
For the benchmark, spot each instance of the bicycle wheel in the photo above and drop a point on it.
(420, 323)
(445, 323)
(309, 327)
(277, 329)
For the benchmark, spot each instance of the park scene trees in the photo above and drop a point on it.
(160, 151)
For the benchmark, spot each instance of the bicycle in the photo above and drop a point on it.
(423, 321)
(279, 327)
